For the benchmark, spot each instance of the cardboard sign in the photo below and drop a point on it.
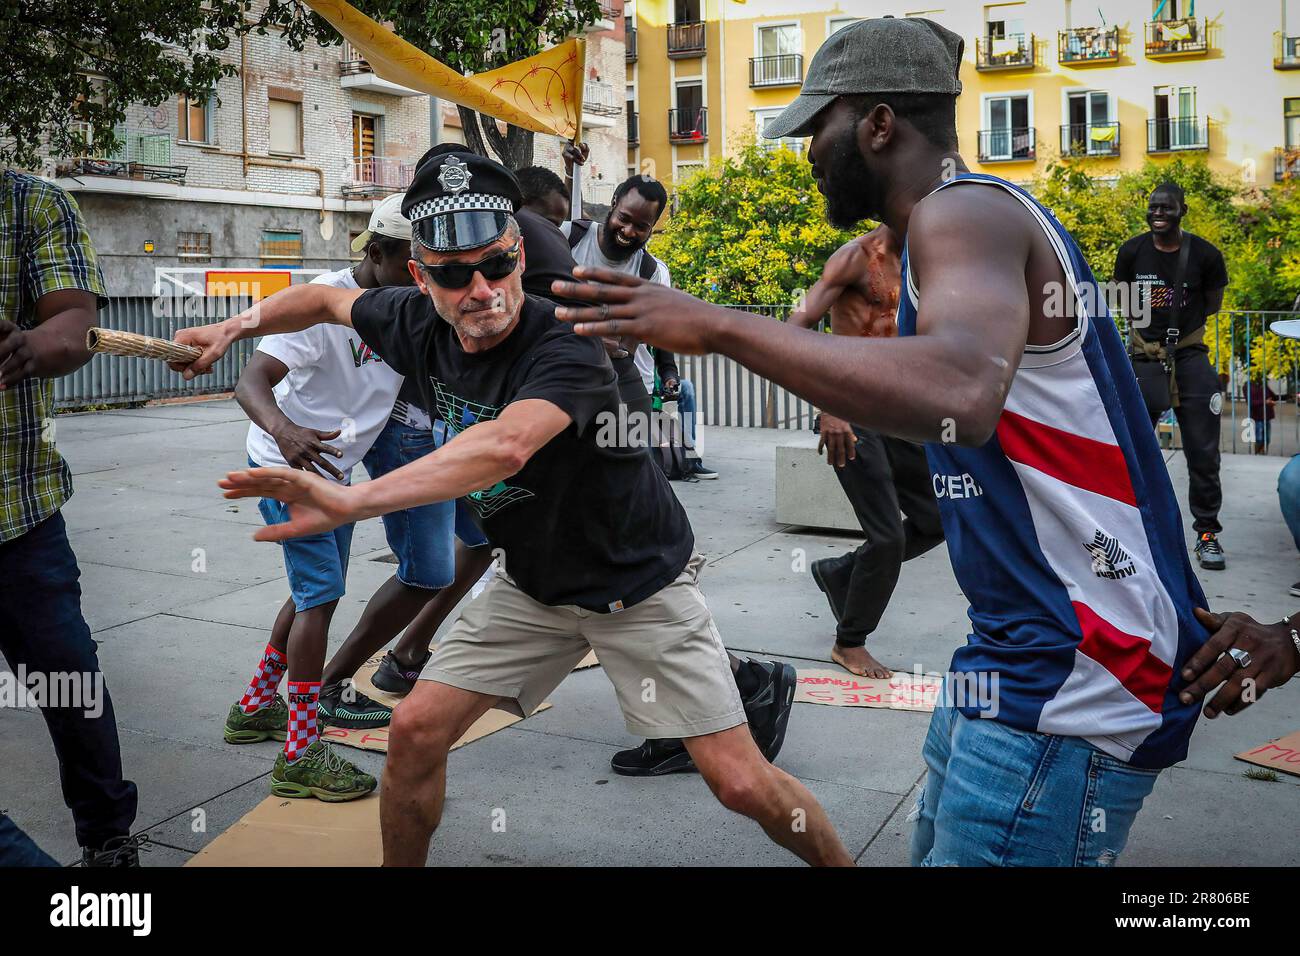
(1282, 755)
(902, 691)
(377, 737)
(283, 832)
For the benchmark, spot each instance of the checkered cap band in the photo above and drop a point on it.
(465, 202)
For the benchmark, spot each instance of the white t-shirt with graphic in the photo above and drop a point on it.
(587, 253)
(335, 382)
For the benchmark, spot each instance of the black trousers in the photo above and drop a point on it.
(1199, 404)
(888, 484)
(41, 628)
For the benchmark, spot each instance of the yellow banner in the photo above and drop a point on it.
(542, 93)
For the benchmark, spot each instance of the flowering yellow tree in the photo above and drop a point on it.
(749, 229)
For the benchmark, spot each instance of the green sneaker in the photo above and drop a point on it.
(321, 773)
(358, 713)
(269, 723)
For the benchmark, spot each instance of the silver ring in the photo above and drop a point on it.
(1241, 657)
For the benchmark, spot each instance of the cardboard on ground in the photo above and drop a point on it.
(1282, 754)
(902, 691)
(377, 737)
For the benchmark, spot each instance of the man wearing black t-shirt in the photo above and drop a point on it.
(1170, 357)
(598, 553)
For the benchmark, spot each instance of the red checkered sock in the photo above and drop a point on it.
(266, 681)
(304, 699)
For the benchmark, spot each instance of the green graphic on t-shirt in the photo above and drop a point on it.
(459, 414)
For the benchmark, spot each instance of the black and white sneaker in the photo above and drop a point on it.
(701, 470)
(1210, 553)
(653, 758)
(116, 852)
(395, 677)
(768, 708)
(342, 705)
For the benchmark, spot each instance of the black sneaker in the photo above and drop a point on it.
(355, 711)
(1295, 589)
(116, 851)
(831, 576)
(653, 758)
(701, 470)
(1210, 553)
(394, 677)
(768, 709)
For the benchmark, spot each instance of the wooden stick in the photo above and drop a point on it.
(112, 342)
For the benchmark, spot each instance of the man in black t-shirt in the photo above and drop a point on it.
(598, 553)
(1167, 345)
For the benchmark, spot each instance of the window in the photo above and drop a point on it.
(285, 123)
(1007, 133)
(363, 136)
(688, 122)
(1090, 127)
(835, 24)
(778, 40)
(1004, 21)
(1175, 125)
(761, 120)
(194, 245)
(281, 248)
(194, 119)
(686, 11)
(1166, 10)
(1291, 116)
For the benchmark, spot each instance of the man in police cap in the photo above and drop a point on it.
(598, 553)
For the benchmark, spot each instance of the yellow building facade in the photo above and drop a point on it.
(1118, 80)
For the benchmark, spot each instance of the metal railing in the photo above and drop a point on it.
(118, 380)
(1171, 134)
(1286, 163)
(633, 128)
(688, 126)
(140, 154)
(686, 39)
(1087, 45)
(784, 69)
(376, 176)
(351, 61)
(629, 40)
(1286, 52)
(1090, 139)
(1181, 37)
(1012, 144)
(600, 99)
(1012, 52)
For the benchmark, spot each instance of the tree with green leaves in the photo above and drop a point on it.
(69, 68)
(749, 229)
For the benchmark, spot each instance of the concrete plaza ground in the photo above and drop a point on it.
(178, 644)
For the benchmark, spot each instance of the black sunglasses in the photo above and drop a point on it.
(457, 275)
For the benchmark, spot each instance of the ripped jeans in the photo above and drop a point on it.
(998, 796)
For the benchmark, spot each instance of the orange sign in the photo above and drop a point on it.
(903, 691)
(254, 284)
(1282, 754)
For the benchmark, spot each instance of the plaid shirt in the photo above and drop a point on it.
(44, 247)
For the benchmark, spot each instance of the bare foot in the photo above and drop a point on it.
(856, 660)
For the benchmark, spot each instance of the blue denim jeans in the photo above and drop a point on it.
(1288, 496)
(998, 796)
(686, 409)
(18, 849)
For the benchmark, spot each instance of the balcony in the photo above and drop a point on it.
(355, 74)
(609, 13)
(629, 40)
(1170, 39)
(785, 69)
(1286, 52)
(685, 39)
(633, 129)
(1087, 46)
(688, 126)
(1014, 52)
(1008, 145)
(1286, 163)
(141, 155)
(600, 104)
(376, 176)
(1173, 135)
(1090, 139)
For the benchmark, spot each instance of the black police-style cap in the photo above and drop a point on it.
(459, 200)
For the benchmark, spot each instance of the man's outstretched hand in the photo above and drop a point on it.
(315, 504)
(628, 308)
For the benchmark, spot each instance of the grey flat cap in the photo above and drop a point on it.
(884, 55)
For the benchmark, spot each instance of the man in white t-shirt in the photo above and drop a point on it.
(317, 400)
(620, 244)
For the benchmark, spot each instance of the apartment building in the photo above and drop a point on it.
(1120, 81)
(280, 168)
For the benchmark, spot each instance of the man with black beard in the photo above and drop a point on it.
(1072, 691)
(1181, 279)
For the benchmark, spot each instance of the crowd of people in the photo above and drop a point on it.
(466, 361)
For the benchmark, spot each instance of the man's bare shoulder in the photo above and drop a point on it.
(990, 219)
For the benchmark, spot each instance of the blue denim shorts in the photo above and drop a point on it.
(999, 796)
(420, 538)
(317, 564)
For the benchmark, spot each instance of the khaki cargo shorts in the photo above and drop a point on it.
(663, 655)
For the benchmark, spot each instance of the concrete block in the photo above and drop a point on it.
(807, 491)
